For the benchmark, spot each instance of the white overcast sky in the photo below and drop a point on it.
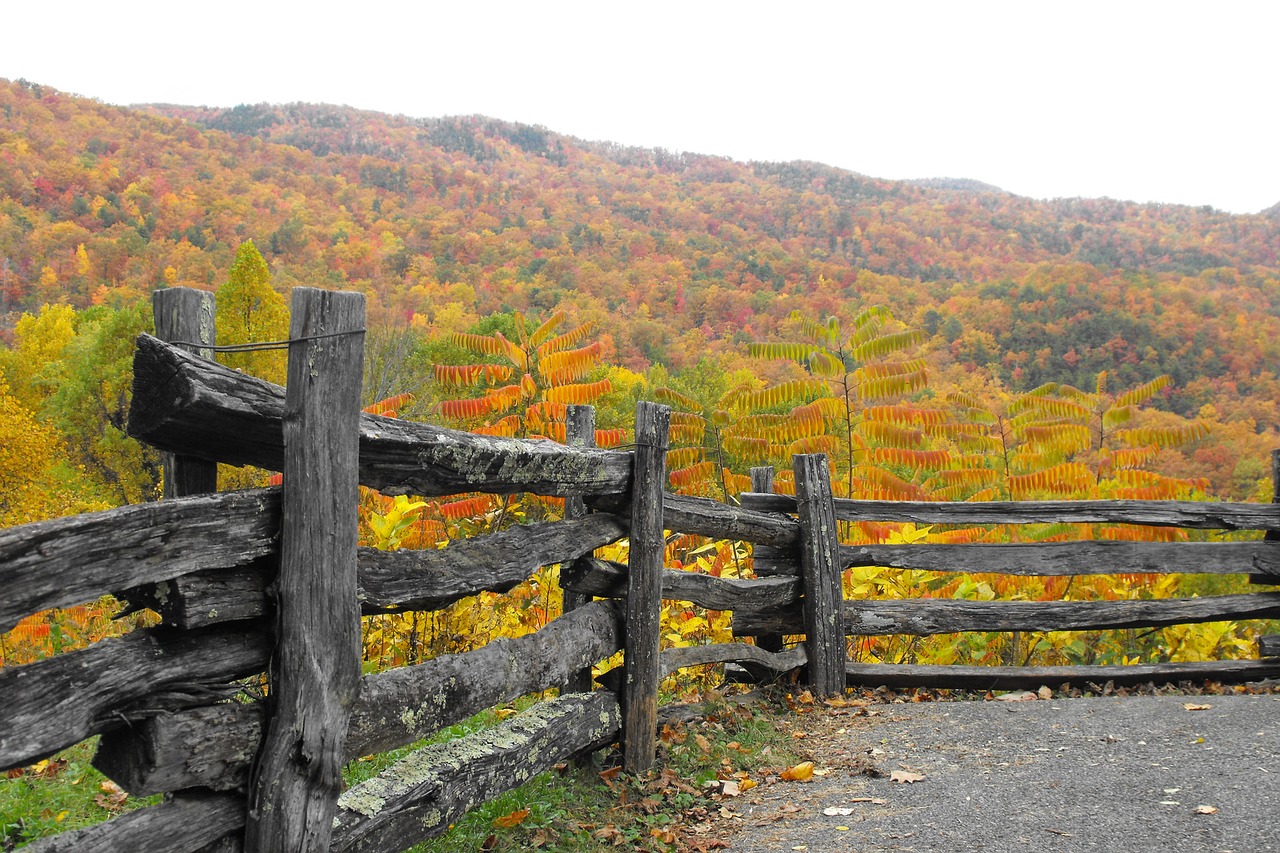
(1151, 101)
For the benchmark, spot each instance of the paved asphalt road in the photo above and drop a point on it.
(1131, 774)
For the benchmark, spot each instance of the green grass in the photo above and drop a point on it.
(58, 795)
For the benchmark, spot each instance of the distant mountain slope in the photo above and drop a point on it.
(677, 256)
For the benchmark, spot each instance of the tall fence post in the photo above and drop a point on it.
(762, 483)
(315, 673)
(184, 314)
(823, 599)
(644, 588)
(580, 431)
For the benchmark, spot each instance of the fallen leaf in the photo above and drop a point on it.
(663, 834)
(504, 713)
(1192, 706)
(906, 777)
(507, 821)
(490, 843)
(746, 784)
(805, 698)
(842, 829)
(1024, 696)
(113, 798)
(703, 743)
(1045, 693)
(1206, 809)
(836, 811)
(730, 788)
(800, 773)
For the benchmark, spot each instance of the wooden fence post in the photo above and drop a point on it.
(580, 431)
(186, 314)
(644, 588)
(762, 483)
(823, 597)
(315, 673)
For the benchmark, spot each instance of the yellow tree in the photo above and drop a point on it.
(249, 312)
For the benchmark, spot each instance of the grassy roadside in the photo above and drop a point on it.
(712, 746)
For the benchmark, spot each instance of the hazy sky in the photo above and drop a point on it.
(1152, 101)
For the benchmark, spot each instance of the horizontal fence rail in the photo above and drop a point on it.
(1190, 514)
(185, 405)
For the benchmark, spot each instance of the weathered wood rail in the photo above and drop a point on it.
(234, 579)
(930, 616)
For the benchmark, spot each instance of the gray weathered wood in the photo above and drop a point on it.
(607, 579)
(1073, 558)
(212, 746)
(59, 701)
(580, 431)
(1269, 646)
(72, 560)
(775, 662)
(183, 824)
(1195, 514)
(427, 580)
(391, 581)
(822, 597)
(186, 314)
(420, 795)
(1031, 677)
(715, 520)
(768, 560)
(644, 588)
(185, 405)
(926, 616)
(315, 670)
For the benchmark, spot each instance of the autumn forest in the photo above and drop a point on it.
(939, 340)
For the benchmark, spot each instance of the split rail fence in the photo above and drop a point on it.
(272, 580)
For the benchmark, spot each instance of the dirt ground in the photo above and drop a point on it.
(1028, 772)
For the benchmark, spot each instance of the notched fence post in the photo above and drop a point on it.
(644, 588)
(184, 314)
(823, 597)
(315, 673)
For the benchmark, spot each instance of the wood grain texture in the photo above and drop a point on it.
(740, 653)
(607, 579)
(1073, 558)
(419, 796)
(1194, 514)
(1269, 646)
(713, 519)
(315, 672)
(927, 616)
(390, 581)
(580, 431)
(54, 703)
(212, 746)
(644, 588)
(68, 561)
(186, 314)
(184, 405)
(822, 598)
(1031, 677)
(184, 824)
(769, 561)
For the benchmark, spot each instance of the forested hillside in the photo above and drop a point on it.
(679, 260)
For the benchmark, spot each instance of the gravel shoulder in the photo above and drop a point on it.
(1136, 773)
